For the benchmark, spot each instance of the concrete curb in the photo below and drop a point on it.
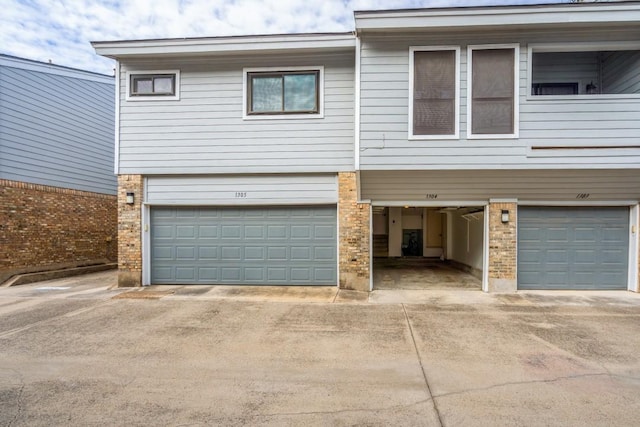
(23, 279)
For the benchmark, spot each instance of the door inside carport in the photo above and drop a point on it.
(573, 247)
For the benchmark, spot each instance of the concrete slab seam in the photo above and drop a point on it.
(424, 374)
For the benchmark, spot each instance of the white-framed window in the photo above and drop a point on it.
(158, 85)
(492, 94)
(434, 92)
(283, 93)
(584, 70)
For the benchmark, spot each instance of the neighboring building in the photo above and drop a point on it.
(58, 204)
(502, 139)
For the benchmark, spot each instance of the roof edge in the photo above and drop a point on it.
(501, 15)
(224, 44)
(50, 68)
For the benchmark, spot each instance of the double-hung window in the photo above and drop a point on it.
(146, 85)
(492, 95)
(285, 93)
(434, 92)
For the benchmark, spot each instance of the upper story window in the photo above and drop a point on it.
(434, 92)
(492, 97)
(577, 70)
(287, 93)
(146, 85)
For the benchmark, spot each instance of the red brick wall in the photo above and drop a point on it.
(45, 228)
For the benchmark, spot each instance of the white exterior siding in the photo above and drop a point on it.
(580, 132)
(482, 185)
(245, 190)
(204, 132)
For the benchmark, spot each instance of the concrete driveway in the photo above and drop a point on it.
(72, 354)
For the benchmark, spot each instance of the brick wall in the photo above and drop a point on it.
(46, 228)
(129, 231)
(354, 235)
(502, 248)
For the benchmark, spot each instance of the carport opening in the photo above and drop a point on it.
(428, 247)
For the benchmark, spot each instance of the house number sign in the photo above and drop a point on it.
(432, 196)
(241, 194)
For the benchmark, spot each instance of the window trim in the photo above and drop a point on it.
(282, 116)
(412, 50)
(516, 90)
(128, 88)
(576, 47)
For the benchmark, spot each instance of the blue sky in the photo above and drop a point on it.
(60, 30)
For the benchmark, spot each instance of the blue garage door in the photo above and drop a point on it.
(251, 246)
(573, 248)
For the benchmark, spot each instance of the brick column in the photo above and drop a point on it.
(502, 247)
(129, 231)
(353, 220)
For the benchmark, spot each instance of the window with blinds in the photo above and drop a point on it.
(434, 93)
(493, 91)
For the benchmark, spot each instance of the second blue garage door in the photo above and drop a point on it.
(252, 246)
(573, 247)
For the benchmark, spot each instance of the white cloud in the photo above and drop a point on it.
(61, 30)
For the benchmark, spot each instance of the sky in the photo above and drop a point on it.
(61, 30)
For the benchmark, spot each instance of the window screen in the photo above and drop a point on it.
(434, 92)
(492, 101)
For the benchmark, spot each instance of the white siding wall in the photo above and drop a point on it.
(481, 185)
(204, 133)
(246, 190)
(576, 124)
(467, 238)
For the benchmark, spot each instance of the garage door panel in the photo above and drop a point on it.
(186, 253)
(186, 213)
(163, 231)
(279, 245)
(207, 232)
(554, 234)
(301, 253)
(231, 231)
(324, 253)
(277, 274)
(277, 232)
(208, 274)
(576, 247)
(277, 253)
(163, 252)
(613, 234)
(300, 232)
(163, 273)
(254, 253)
(530, 234)
(231, 253)
(301, 275)
(254, 274)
